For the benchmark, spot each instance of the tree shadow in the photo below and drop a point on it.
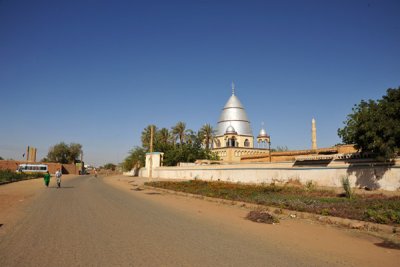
(368, 174)
(388, 244)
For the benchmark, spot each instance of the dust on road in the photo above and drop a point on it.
(104, 222)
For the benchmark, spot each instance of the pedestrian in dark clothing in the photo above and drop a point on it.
(47, 178)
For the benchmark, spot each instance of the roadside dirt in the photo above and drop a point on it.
(298, 234)
(14, 197)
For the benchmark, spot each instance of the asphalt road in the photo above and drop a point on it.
(89, 223)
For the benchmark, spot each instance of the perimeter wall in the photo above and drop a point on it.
(12, 165)
(372, 175)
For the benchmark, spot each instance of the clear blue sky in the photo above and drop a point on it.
(98, 72)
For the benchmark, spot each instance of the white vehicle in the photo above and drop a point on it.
(32, 168)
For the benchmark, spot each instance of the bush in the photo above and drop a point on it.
(262, 216)
(310, 186)
(382, 216)
(347, 187)
(10, 176)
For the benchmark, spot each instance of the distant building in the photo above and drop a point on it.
(234, 140)
(234, 136)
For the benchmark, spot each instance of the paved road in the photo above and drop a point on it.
(89, 223)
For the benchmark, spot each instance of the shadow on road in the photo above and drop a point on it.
(62, 187)
(388, 244)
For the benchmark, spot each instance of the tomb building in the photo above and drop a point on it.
(234, 136)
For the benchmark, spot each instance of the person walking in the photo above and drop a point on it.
(58, 176)
(46, 178)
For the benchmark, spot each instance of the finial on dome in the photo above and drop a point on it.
(233, 88)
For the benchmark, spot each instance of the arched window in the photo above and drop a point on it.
(231, 142)
(246, 143)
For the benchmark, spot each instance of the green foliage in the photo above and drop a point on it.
(136, 158)
(374, 126)
(206, 135)
(347, 187)
(63, 153)
(189, 147)
(1, 158)
(146, 134)
(384, 216)
(188, 152)
(179, 132)
(110, 166)
(11, 176)
(373, 208)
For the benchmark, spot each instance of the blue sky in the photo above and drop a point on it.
(98, 72)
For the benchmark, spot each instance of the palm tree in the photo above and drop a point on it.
(163, 136)
(190, 136)
(179, 131)
(207, 135)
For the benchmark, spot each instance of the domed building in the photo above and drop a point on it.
(234, 136)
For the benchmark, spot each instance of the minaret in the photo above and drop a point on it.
(313, 135)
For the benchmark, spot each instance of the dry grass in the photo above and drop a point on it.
(376, 208)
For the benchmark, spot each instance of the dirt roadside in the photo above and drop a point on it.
(298, 234)
(14, 197)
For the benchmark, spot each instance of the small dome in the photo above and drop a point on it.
(230, 130)
(263, 133)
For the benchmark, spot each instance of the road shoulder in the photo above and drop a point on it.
(305, 235)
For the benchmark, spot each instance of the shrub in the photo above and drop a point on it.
(262, 216)
(10, 176)
(310, 186)
(347, 187)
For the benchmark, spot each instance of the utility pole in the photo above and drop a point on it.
(151, 152)
(269, 148)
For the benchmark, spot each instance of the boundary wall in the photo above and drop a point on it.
(53, 167)
(362, 174)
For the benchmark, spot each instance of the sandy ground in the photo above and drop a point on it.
(298, 234)
(15, 196)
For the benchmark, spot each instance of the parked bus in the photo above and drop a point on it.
(32, 168)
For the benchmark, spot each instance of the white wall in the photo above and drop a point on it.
(360, 174)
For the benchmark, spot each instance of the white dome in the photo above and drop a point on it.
(233, 114)
(230, 130)
(263, 133)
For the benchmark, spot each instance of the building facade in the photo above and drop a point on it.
(234, 136)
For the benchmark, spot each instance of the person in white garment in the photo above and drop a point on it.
(58, 177)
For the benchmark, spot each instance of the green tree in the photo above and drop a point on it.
(179, 131)
(146, 133)
(136, 158)
(1, 158)
(63, 153)
(59, 153)
(110, 166)
(374, 126)
(206, 135)
(163, 136)
(75, 151)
